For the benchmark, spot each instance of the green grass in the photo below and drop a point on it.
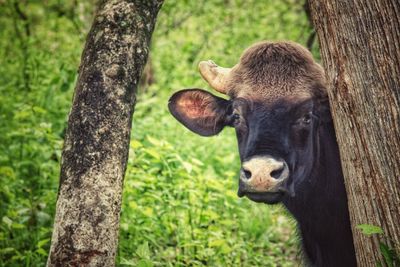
(180, 202)
(179, 206)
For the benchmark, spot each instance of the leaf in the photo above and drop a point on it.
(135, 144)
(225, 249)
(43, 242)
(132, 204)
(153, 153)
(387, 254)
(148, 212)
(154, 141)
(7, 221)
(187, 166)
(369, 229)
(127, 262)
(211, 214)
(23, 114)
(7, 171)
(197, 162)
(6, 250)
(17, 226)
(227, 222)
(41, 251)
(125, 227)
(145, 263)
(39, 110)
(217, 243)
(143, 251)
(43, 216)
(64, 87)
(390, 255)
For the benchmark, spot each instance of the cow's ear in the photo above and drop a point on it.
(199, 110)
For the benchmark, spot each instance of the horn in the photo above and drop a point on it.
(215, 75)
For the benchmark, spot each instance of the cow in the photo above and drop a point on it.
(279, 107)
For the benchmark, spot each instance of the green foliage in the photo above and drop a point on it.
(179, 206)
(389, 254)
(39, 53)
(182, 210)
(368, 229)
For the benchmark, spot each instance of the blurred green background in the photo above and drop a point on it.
(179, 206)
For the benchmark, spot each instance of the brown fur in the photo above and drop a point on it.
(286, 118)
(271, 70)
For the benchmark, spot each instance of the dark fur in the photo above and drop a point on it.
(279, 107)
(316, 194)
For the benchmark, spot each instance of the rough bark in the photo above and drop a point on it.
(360, 49)
(97, 140)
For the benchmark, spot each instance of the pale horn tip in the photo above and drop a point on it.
(215, 76)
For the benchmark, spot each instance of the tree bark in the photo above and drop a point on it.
(360, 50)
(97, 140)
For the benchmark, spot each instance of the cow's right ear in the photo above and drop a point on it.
(199, 110)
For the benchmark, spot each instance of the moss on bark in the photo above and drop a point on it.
(97, 139)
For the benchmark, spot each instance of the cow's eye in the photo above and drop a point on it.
(235, 119)
(306, 119)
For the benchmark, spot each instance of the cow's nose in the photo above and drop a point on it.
(278, 171)
(263, 174)
(246, 173)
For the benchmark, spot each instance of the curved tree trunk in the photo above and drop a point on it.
(360, 48)
(97, 140)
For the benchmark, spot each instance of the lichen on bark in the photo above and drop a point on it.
(97, 139)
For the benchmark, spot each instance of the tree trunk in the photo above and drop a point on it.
(360, 49)
(97, 139)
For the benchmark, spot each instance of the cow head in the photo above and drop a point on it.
(277, 104)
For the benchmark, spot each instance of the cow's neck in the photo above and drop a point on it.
(321, 210)
(324, 189)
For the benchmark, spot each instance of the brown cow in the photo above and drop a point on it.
(279, 108)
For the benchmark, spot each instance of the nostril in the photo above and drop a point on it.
(277, 173)
(247, 174)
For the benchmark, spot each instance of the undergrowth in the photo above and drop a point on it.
(179, 205)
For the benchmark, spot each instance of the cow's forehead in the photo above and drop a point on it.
(272, 94)
(269, 71)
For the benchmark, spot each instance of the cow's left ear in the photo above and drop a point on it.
(199, 110)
